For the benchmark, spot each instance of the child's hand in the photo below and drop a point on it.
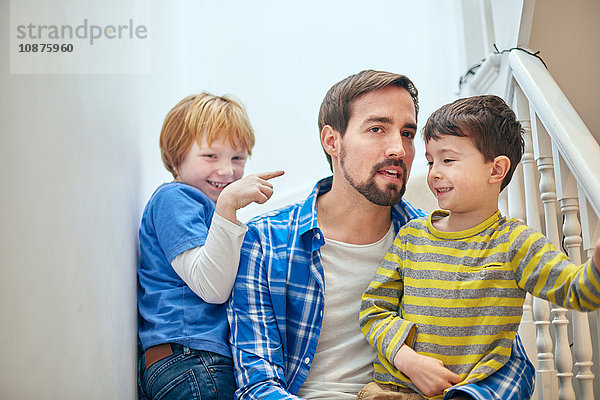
(238, 194)
(427, 373)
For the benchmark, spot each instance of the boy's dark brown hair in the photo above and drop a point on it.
(488, 121)
(336, 108)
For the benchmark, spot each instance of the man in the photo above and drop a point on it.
(303, 268)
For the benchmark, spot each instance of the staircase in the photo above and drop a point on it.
(558, 193)
(555, 190)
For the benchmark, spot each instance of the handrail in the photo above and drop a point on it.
(577, 146)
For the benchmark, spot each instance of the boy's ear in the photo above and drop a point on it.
(500, 167)
(330, 140)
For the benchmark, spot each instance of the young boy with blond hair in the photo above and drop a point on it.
(444, 307)
(190, 244)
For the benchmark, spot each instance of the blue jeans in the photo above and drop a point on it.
(187, 374)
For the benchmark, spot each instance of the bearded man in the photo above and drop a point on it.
(294, 308)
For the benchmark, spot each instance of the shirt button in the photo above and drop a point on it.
(321, 313)
(307, 360)
(318, 236)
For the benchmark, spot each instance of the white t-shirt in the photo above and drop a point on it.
(343, 361)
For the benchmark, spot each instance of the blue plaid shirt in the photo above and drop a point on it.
(276, 308)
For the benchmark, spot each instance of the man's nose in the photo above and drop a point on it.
(395, 147)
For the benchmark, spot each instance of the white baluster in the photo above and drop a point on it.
(543, 157)
(590, 226)
(516, 196)
(539, 337)
(547, 383)
(503, 203)
(566, 188)
(516, 193)
(562, 350)
(526, 329)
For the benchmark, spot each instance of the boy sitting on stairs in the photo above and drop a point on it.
(446, 303)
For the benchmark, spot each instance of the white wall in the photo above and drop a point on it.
(564, 33)
(79, 158)
(280, 58)
(567, 37)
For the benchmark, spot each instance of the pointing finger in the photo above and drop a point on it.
(269, 175)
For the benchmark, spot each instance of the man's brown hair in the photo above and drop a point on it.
(336, 108)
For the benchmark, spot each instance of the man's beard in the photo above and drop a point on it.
(382, 197)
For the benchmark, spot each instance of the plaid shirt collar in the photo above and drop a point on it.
(281, 279)
(402, 212)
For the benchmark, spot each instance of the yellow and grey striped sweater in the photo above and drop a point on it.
(458, 296)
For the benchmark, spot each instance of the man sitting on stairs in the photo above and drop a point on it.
(294, 308)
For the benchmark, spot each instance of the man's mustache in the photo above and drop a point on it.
(394, 163)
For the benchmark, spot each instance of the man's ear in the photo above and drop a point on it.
(500, 167)
(330, 140)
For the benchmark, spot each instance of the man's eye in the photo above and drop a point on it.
(376, 129)
(430, 163)
(209, 156)
(447, 160)
(239, 158)
(408, 134)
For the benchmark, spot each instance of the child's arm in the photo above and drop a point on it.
(210, 270)
(391, 335)
(379, 316)
(383, 326)
(427, 373)
(546, 272)
(253, 188)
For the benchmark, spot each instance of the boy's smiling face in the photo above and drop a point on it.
(211, 168)
(459, 175)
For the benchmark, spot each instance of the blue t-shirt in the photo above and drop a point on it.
(176, 218)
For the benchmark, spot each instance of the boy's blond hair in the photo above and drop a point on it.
(203, 114)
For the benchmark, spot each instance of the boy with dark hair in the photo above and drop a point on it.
(444, 307)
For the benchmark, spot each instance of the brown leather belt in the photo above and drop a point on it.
(157, 353)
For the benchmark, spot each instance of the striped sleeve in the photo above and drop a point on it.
(380, 322)
(546, 272)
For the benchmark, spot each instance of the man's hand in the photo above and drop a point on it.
(252, 188)
(427, 373)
